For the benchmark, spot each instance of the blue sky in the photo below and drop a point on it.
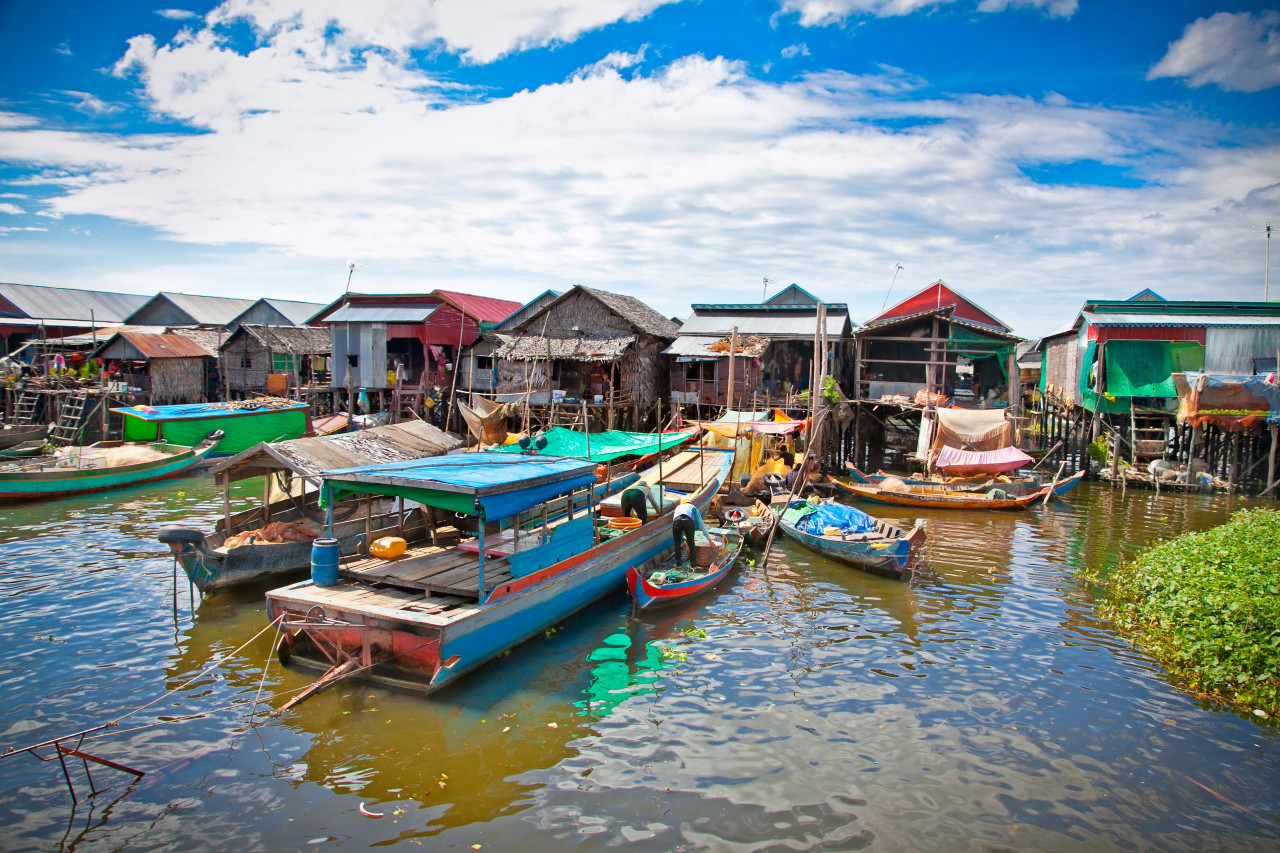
(1030, 153)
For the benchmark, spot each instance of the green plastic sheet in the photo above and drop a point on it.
(605, 446)
(976, 345)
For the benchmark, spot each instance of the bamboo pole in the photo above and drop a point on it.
(733, 346)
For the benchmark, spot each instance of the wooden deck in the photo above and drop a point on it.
(442, 569)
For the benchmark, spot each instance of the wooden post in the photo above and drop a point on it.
(226, 503)
(1271, 459)
(266, 496)
(733, 346)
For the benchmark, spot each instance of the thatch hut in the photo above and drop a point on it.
(295, 355)
(587, 344)
(170, 368)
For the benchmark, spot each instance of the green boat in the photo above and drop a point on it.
(100, 467)
(245, 423)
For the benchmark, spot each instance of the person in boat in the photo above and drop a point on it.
(638, 498)
(684, 521)
(781, 463)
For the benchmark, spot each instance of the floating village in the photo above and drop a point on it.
(412, 486)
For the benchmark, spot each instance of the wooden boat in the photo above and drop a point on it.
(937, 496)
(12, 436)
(442, 609)
(665, 584)
(1060, 488)
(244, 423)
(95, 470)
(887, 550)
(24, 451)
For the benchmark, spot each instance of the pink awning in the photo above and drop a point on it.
(958, 461)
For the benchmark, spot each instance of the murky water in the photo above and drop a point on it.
(804, 706)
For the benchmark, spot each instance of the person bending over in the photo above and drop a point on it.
(635, 499)
(684, 521)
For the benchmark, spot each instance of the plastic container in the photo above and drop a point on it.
(388, 547)
(324, 562)
(624, 523)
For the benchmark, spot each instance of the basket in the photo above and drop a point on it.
(624, 523)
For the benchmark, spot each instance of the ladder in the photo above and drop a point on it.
(1148, 435)
(70, 417)
(24, 411)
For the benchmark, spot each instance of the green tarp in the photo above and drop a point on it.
(242, 431)
(976, 345)
(1139, 369)
(605, 446)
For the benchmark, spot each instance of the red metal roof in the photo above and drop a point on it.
(935, 296)
(165, 346)
(486, 309)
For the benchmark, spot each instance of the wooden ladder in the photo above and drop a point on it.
(407, 402)
(1148, 435)
(70, 418)
(24, 411)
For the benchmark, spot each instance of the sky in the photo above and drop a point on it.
(1029, 153)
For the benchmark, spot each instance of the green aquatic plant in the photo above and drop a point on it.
(1207, 607)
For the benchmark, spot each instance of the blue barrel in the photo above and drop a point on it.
(324, 562)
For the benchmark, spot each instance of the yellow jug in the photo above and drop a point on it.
(388, 547)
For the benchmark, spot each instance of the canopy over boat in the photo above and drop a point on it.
(956, 461)
(492, 485)
(733, 423)
(244, 422)
(605, 446)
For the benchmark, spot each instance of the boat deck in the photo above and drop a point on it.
(400, 604)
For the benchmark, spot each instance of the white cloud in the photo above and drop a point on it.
(91, 104)
(793, 50)
(817, 13)
(64, 48)
(177, 14)
(1238, 52)
(479, 30)
(5, 207)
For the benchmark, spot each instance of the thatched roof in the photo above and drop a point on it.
(294, 340)
(210, 339)
(575, 348)
(635, 312)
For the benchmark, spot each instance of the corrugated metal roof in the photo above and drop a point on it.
(296, 313)
(310, 456)
(65, 303)
(156, 346)
(769, 324)
(381, 314)
(486, 309)
(210, 310)
(1156, 319)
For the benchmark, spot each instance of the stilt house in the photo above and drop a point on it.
(938, 341)
(775, 349)
(272, 359)
(584, 345)
(169, 368)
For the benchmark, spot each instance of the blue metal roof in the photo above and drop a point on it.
(381, 314)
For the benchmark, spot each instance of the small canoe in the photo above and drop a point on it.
(24, 451)
(1062, 487)
(14, 435)
(665, 584)
(887, 550)
(99, 469)
(938, 497)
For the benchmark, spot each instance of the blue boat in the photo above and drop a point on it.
(877, 546)
(501, 566)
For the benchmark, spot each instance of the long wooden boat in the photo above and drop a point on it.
(95, 471)
(1060, 488)
(887, 550)
(938, 497)
(27, 450)
(665, 584)
(442, 609)
(244, 423)
(11, 436)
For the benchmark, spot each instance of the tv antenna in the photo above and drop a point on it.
(352, 266)
(765, 292)
(1266, 281)
(896, 269)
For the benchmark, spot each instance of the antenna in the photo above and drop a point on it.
(352, 266)
(765, 292)
(1266, 285)
(896, 269)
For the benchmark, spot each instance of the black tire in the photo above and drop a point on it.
(180, 536)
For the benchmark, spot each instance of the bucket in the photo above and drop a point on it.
(624, 523)
(324, 562)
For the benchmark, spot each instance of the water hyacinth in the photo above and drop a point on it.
(1207, 607)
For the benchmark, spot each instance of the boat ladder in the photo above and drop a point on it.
(24, 411)
(70, 418)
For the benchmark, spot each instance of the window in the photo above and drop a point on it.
(484, 362)
(282, 362)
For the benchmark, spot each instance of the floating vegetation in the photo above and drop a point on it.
(1207, 607)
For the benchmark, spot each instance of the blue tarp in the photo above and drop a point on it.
(846, 518)
(199, 410)
(500, 484)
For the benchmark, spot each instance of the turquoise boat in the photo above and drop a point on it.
(244, 423)
(99, 468)
(450, 603)
(883, 549)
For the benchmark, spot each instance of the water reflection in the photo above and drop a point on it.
(804, 705)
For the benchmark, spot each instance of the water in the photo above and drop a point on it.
(803, 706)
